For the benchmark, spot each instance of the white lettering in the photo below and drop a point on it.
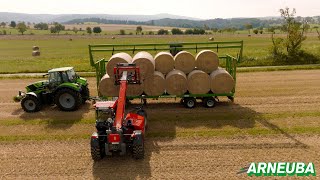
(281, 167)
(262, 167)
(272, 167)
(252, 168)
(292, 166)
(310, 168)
(300, 168)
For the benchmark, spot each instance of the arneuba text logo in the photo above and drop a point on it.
(279, 169)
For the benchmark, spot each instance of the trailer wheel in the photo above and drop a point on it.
(97, 152)
(209, 102)
(189, 102)
(30, 104)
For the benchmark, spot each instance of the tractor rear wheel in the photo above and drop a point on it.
(30, 104)
(189, 102)
(97, 152)
(68, 99)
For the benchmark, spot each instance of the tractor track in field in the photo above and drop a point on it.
(270, 101)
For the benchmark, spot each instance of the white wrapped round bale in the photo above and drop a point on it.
(164, 62)
(184, 61)
(176, 82)
(107, 87)
(221, 81)
(154, 85)
(146, 63)
(198, 82)
(115, 59)
(207, 61)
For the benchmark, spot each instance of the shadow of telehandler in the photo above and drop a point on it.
(164, 120)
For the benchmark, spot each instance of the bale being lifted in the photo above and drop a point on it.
(176, 82)
(198, 82)
(221, 81)
(107, 86)
(145, 62)
(115, 59)
(154, 85)
(207, 61)
(164, 62)
(184, 61)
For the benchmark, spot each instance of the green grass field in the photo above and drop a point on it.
(58, 50)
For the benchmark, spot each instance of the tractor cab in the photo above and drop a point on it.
(62, 75)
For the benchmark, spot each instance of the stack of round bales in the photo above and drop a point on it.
(173, 75)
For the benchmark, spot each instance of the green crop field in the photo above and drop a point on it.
(72, 50)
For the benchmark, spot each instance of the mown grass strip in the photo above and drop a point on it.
(219, 117)
(172, 134)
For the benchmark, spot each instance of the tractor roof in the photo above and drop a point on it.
(60, 69)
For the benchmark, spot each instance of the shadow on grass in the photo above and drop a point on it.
(56, 119)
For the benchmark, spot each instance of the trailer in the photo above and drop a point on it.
(232, 51)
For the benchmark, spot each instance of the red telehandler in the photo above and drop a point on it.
(118, 133)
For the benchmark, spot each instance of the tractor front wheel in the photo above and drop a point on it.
(138, 151)
(68, 99)
(30, 104)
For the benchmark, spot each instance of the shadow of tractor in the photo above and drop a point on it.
(55, 118)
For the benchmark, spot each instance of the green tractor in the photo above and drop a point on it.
(64, 88)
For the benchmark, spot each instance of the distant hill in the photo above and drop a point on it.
(156, 20)
(48, 18)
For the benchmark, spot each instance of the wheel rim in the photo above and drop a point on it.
(30, 105)
(67, 100)
(190, 103)
(210, 103)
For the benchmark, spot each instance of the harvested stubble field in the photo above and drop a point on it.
(275, 117)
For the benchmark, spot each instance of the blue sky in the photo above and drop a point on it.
(204, 9)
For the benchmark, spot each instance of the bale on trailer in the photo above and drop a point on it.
(134, 89)
(154, 85)
(145, 62)
(115, 59)
(176, 82)
(164, 62)
(107, 86)
(207, 61)
(221, 81)
(198, 82)
(184, 61)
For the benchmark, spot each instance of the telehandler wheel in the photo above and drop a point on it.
(97, 152)
(190, 102)
(138, 151)
(68, 99)
(209, 102)
(30, 104)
